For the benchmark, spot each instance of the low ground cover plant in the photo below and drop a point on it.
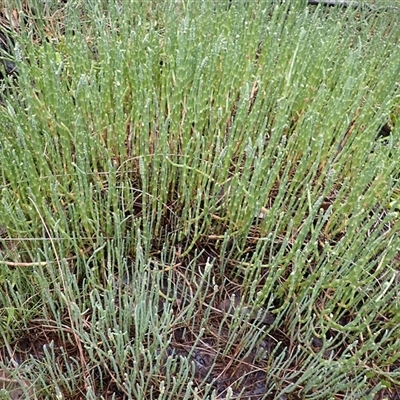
(199, 200)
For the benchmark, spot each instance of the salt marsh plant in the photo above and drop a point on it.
(199, 200)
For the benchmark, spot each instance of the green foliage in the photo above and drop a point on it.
(163, 159)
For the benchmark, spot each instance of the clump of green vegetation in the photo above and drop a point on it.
(199, 200)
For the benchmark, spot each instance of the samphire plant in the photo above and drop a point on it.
(199, 200)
